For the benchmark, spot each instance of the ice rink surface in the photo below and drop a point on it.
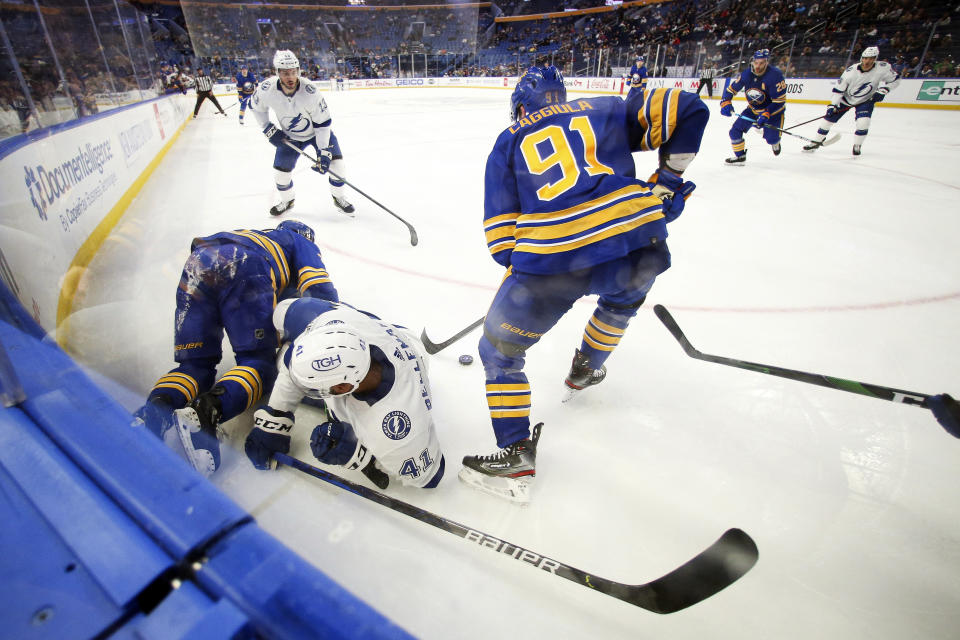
(819, 262)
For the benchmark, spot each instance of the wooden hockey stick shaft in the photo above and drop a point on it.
(714, 569)
(413, 232)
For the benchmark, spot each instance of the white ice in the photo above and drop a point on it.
(819, 262)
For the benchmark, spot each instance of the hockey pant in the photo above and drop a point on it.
(223, 288)
(244, 101)
(864, 112)
(743, 124)
(286, 159)
(527, 306)
(206, 95)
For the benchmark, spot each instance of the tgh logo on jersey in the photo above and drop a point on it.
(297, 124)
(326, 364)
(396, 425)
(36, 193)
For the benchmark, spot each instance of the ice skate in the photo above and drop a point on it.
(279, 209)
(581, 376)
(344, 206)
(508, 473)
(737, 161)
(856, 149)
(776, 149)
(191, 441)
(813, 146)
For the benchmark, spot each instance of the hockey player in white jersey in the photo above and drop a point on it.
(304, 120)
(372, 376)
(860, 87)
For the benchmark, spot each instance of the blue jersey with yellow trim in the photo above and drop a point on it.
(766, 92)
(638, 76)
(242, 80)
(295, 263)
(561, 192)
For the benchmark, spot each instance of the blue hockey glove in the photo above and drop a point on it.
(762, 120)
(333, 442)
(832, 110)
(879, 96)
(726, 108)
(672, 190)
(324, 158)
(270, 434)
(947, 412)
(275, 135)
(156, 415)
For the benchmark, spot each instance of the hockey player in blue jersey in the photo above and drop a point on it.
(231, 282)
(566, 215)
(246, 86)
(766, 93)
(638, 76)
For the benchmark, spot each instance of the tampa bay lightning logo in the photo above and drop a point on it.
(36, 193)
(756, 96)
(864, 89)
(296, 124)
(396, 425)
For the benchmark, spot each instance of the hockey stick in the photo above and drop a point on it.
(794, 126)
(433, 347)
(413, 232)
(716, 568)
(826, 143)
(946, 409)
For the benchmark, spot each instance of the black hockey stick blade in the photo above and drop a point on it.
(713, 570)
(946, 409)
(413, 232)
(433, 347)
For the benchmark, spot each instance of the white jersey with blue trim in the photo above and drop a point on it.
(398, 427)
(302, 115)
(856, 86)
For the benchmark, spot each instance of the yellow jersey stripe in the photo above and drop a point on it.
(591, 332)
(602, 201)
(271, 247)
(603, 326)
(508, 401)
(493, 387)
(176, 387)
(510, 413)
(184, 379)
(596, 345)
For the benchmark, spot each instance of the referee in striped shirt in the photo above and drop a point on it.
(204, 86)
(707, 74)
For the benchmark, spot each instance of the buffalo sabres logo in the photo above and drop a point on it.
(36, 194)
(396, 425)
(296, 124)
(756, 96)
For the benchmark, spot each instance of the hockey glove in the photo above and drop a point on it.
(947, 412)
(832, 110)
(156, 415)
(275, 135)
(762, 120)
(324, 158)
(726, 108)
(879, 95)
(672, 191)
(333, 442)
(270, 434)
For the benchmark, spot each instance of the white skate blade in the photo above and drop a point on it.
(512, 489)
(179, 438)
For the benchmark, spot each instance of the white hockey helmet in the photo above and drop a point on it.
(328, 355)
(870, 52)
(284, 59)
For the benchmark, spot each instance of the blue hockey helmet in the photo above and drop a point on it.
(639, 58)
(297, 227)
(539, 87)
(761, 54)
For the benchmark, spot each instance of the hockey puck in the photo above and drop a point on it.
(466, 359)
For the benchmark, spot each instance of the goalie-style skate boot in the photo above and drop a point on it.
(344, 206)
(776, 149)
(582, 375)
(737, 161)
(196, 436)
(279, 209)
(856, 149)
(508, 473)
